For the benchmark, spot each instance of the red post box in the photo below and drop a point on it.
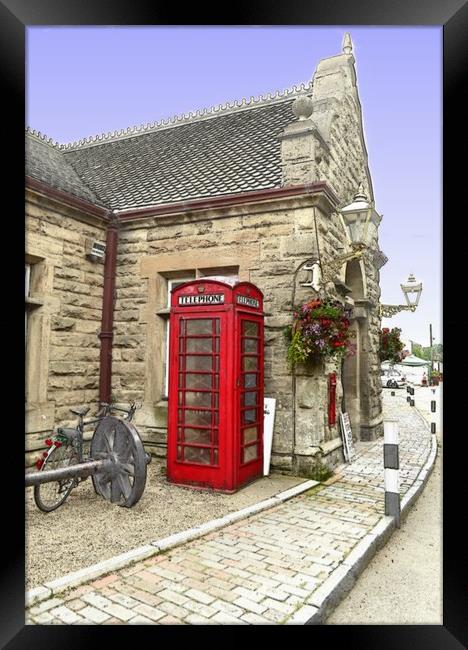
(215, 415)
(331, 399)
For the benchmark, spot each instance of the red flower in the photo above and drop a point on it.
(58, 443)
(385, 330)
(49, 442)
(45, 454)
(39, 463)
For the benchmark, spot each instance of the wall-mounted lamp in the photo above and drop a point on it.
(360, 218)
(412, 290)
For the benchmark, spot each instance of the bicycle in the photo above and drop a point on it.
(67, 448)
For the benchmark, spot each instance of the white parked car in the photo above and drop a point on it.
(392, 379)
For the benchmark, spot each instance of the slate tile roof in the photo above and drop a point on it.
(225, 152)
(46, 163)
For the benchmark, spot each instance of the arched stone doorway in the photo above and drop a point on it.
(352, 367)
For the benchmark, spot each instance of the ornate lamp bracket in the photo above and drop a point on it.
(332, 267)
(387, 311)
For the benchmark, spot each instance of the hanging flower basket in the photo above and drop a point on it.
(320, 330)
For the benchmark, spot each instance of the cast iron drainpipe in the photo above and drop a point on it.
(107, 322)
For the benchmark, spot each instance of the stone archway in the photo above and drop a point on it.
(352, 367)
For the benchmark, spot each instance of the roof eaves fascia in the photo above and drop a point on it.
(68, 199)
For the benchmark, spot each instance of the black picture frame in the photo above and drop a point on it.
(15, 16)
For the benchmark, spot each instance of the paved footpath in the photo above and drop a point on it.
(288, 564)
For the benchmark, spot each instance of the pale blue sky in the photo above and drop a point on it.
(83, 81)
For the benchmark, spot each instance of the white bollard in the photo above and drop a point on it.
(392, 469)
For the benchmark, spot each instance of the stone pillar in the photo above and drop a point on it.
(301, 146)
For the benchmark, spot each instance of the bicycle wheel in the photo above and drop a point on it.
(49, 496)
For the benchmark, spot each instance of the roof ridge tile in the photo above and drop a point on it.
(266, 99)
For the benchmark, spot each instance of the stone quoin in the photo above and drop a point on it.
(247, 191)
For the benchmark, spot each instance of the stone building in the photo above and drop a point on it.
(250, 190)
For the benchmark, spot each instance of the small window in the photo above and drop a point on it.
(228, 274)
(171, 284)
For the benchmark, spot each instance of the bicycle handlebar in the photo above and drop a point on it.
(130, 411)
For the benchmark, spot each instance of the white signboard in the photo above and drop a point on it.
(347, 435)
(269, 407)
(250, 302)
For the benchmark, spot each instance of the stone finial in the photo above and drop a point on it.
(347, 44)
(360, 194)
(302, 108)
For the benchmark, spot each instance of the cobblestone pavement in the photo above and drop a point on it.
(260, 570)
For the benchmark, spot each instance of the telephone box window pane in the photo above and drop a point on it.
(250, 435)
(250, 380)
(215, 437)
(199, 345)
(193, 398)
(198, 418)
(250, 398)
(201, 436)
(181, 398)
(215, 457)
(249, 363)
(182, 327)
(249, 328)
(179, 453)
(200, 326)
(181, 380)
(198, 381)
(250, 453)
(217, 345)
(199, 364)
(180, 435)
(250, 345)
(197, 455)
(250, 415)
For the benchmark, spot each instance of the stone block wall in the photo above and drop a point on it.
(62, 355)
(267, 243)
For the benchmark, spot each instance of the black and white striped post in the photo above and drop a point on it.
(433, 410)
(392, 469)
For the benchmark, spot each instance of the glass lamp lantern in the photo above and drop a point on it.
(412, 289)
(358, 216)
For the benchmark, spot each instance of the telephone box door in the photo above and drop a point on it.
(250, 397)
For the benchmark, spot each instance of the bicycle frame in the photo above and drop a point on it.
(105, 410)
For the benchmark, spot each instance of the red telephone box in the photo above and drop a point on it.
(215, 416)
